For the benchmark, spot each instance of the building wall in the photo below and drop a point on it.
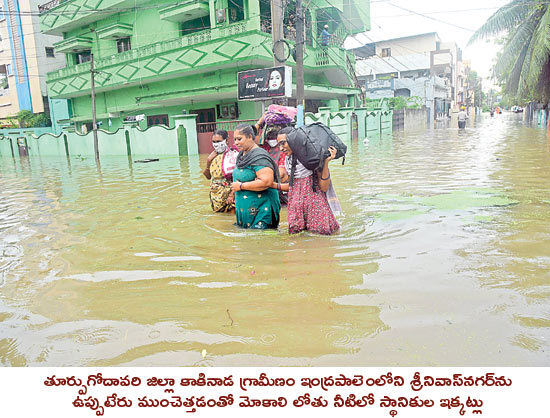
(407, 46)
(8, 97)
(28, 88)
(42, 64)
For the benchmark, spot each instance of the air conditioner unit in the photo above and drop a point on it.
(220, 15)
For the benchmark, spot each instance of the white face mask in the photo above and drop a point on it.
(220, 147)
(272, 143)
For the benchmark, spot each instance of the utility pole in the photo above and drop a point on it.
(277, 31)
(300, 99)
(94, 121)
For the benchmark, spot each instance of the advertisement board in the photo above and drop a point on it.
(265, 83)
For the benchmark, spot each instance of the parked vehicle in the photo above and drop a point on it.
(516, 109)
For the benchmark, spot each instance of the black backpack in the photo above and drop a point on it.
(310, 143)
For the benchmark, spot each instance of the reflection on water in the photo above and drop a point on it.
(443, 259)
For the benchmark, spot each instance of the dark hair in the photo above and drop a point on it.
(272, 132)
(245, 129)
(286, 131)
(221, 132)
(255, 130)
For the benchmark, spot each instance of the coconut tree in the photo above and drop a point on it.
(524, 62)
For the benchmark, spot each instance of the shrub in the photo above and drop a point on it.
(27, 119)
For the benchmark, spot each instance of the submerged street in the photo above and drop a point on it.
(443, 259)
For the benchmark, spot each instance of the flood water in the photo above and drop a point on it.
(443, 259)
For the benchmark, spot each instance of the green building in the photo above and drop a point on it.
(162, 58)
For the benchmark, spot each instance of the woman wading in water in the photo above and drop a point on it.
(257, 205)
(308, 205)
(219, 170)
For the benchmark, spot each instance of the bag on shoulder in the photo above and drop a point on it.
(310, 145)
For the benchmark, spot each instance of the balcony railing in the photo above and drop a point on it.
(159, 47)
(50, 5)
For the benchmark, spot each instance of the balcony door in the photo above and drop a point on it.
(205, 115)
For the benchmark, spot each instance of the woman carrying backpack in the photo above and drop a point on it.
(308, 205)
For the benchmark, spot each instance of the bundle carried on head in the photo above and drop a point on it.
(310, 144)
(280, 115)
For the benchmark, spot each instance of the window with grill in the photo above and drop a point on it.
(50, 52)
(157, 120)
(386, 52)
(84, 56)
(123, 45)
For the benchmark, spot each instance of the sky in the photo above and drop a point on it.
(452, 20)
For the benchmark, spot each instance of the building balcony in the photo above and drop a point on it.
(60, 16)
(184, 11)
(115, 31)
(232, 46)
(76, 44)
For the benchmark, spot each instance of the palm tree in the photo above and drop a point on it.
(524, 62)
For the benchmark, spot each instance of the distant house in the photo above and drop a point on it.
(26, 55)
(419, 65)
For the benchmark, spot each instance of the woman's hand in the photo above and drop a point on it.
(211, 156)
(236, 186)
(261, 121)
(332, 155)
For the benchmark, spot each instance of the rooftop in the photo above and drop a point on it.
(379, 65)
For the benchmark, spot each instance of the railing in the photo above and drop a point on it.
(353, 75)
(159, 47)
(265, 25)
(289, 32)
(228, 126)
(233, 29)
(50, 5)
(322, 57)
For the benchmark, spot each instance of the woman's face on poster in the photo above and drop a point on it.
(275, 80)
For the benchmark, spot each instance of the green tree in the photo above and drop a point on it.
(27, 119)
(523, 65)
(474, 82)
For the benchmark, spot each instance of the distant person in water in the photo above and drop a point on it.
(219, 170)
(462, 117)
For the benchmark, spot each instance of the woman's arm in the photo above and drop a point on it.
(206, 171)
(324, 174)
(263, 181)
(283, 185)
(259, 128)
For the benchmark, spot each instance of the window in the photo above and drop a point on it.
(84, 56)
(196, 25)
(236, 10)
(4, 84)
(386, 52)
(8, 69)
(123, 45)
(50, 52)
(157, 120)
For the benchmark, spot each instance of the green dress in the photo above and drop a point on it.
(259, 210)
